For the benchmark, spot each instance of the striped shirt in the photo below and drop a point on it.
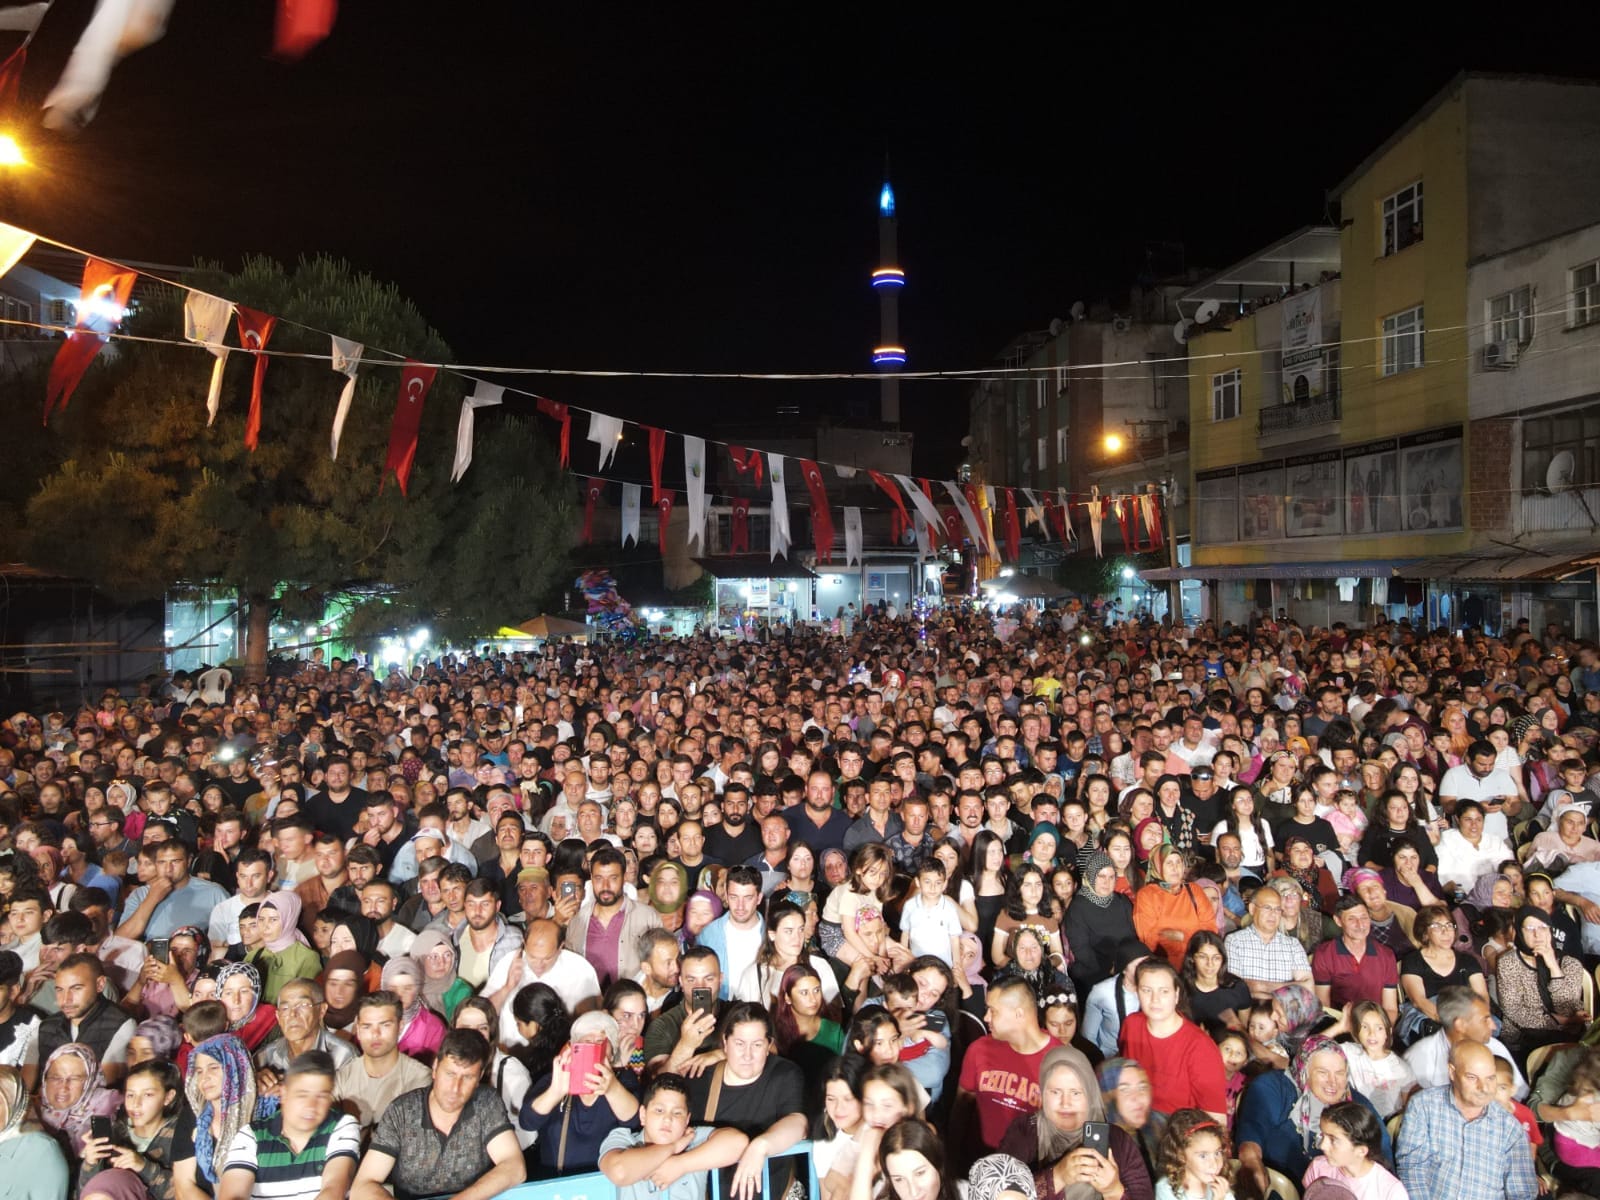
(282, 1174)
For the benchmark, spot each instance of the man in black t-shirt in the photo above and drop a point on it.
(337, 807)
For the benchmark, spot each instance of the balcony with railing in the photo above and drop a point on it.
(1299, 416)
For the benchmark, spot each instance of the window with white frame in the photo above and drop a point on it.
(1583, 294)
(1061, 381)
(1402, 341)
(1226, 389)
(1402, 219)
(1041, 392)
(1510, 316)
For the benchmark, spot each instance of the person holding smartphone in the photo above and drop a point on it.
(153, 1111)
(1069, 1140)
(581, 1100)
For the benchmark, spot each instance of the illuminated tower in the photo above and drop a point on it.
(887, 280)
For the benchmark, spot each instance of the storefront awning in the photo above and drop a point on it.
(1507, 566)
(751, 566)
(1373, 568)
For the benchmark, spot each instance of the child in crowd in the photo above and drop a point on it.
(925, 1036)
(1193, 1160)
(840, 931)
(1235, 1051)
(666, 1158)
(930, 922)
(1264, 1037)
(1352, 1154)
(1504, 1095)
(1376, 1071)
(1577, 1143)
(1349, 824)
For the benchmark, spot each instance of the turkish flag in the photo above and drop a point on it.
(658, 449)
(591, 497)
(900, 519)
(739, 538)
(555, 410)
(952, 525)
(255, 330)
(664, 512)
(415, 381)
(1013, 527)
(301, 25)
(746, 462)
(1052, 517)
(934, 531)
(104, 287)
(821, 518)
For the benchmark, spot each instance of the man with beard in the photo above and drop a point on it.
(816, 822)
(486, 938)
(736, 839)
(607, 928)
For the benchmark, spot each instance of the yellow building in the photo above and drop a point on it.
(1330, 433)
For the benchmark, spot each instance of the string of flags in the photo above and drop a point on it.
(990, 516)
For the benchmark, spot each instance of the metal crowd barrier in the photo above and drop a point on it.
(593, 1185)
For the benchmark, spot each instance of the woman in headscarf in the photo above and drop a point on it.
(159, 1037)
(344, 983)
(221, 1090)
(1125, 1088)
(162, 989)
(115, 1184)
(249, 1019)
(72, 1092)
(421, 1030)
(31, 1162)
(1299, 862)
(1051, 1140)
(1298, 1013)
(1279, 1125)
(1169, 910)
(703, 908)
(442, 989)
(352, 931)
(283, 954)
(1097, 919)
(1541, 991)
(669, 894)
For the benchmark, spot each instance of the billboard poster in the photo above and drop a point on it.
(1261, 492)
(1313, 495)
(1430, 475)
(1372, 489)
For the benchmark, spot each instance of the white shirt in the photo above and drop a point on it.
(397, 941)
(743, 946)
(1429, 1061)
(931, 927)
(749, 986)
(573, 979)
(1461, 783)
(1460, 863)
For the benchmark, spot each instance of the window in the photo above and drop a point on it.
(1511, 316)
(1225, 391)
(1041, 392)
(1402, 341)
(1402, 219)
(1061, 381)
(1575, 429)
(1583, 289)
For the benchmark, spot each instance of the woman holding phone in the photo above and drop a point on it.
(1069, 1140)
(580, 1100)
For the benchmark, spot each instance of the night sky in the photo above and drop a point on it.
(659, 188)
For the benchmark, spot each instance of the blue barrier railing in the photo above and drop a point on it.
(593, 1185)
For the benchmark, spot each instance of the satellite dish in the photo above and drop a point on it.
(1077, 310)
(1207, 310)
(1558, 476)
(1180, 331)
(1055, 327)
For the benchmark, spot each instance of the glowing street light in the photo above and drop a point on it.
(11, 154)
(1113, 443)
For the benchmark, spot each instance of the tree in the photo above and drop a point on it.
(146, 494)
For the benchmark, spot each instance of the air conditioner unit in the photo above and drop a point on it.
(1122, 324)
(1501, 355)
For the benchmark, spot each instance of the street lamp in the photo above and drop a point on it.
(11, 154)
(1114, 444)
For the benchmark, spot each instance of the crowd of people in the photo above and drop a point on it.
(1037, 908)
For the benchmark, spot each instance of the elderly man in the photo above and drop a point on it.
(542, 961)
(301, 1007)
(451, 1138)
(1458, 1144)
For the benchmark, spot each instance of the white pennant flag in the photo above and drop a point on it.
(484, 395)
(1036, 512)
(968, 517)
(346, 362)
(1066, 515)
(23, 18)
(205, 320)
(1096, 515)
(924, 507)
(605, 432)
(845, 472)
(780, 507)
(14, 243)
(852, 536)
(630, 513)
(694, 474)
(117, 29)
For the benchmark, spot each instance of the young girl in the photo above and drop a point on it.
(1352, 1154)
(1255, 837)
(1376, 1071)
(870, 874)
(1194, 1158)
(1577, 1143)
(1235, 1050)
(1264, 1037)
(834, 1148)
(1349, 824)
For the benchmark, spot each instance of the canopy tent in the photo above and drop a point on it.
(553, 627)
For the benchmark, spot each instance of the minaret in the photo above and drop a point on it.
(887, 280)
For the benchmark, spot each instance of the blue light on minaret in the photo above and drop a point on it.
(887, 280)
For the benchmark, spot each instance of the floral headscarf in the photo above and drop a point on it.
(163, 1033)
(1301, 1009)
(14, 1096)
(238, 1102)
(1098, 861)
(251, 974)
(1306, 1114)
(97, 1100)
